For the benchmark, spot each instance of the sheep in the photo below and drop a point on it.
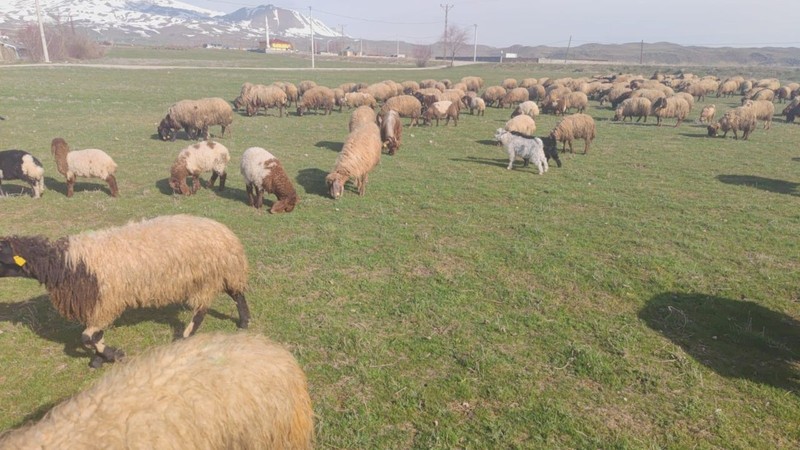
(304, 86)
(89, 163)
(338, 98)
(707, 114)
(686, 96)
(792, 110)
(196, 159)
(575, 126)
(409, 87)
(737, 119)
(360, 154)
(526, 148)
(577, 100)
(406, 105)
(356, 99)
(454, 95)
(360, 116)
(783, 93)
(195, 116)
(291, 91)
(529, 108)
(441, 110)
(523, 125)
(380, 91)
(391, 131)
(21, 165)
(210, 391)
(473, 83)
(92, 277)
(263, 172)
(670, 107)
(493, 94)
(536, 92)
(317, 97)
(764, 110)
(476, 104)
(239, 101)
(759, 94)
(509, 84)
(514, 96)
(261, 96)
(639, 107)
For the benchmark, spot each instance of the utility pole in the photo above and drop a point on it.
(266, 26)
(446, 10)
(311, 21)
(475, 45)
(397, 54)
(567, 52)
(41, 32)
(641, 53)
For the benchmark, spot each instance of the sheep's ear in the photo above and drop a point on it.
(6, 253)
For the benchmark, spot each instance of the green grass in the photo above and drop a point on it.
(642, 296)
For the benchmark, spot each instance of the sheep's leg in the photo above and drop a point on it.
(222, 178)
(362, 184)
(92, 338)
(213, 179)
(241, 306)
(259, 198)
(250, 197)
(197, 319)
(112, 184)
(70, 186)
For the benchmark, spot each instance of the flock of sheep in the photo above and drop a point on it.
(242, 391)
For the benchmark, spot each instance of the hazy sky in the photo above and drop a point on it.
(735, 23)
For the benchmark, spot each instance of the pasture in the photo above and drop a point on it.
(645, 295)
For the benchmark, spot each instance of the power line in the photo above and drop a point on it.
(375, 20)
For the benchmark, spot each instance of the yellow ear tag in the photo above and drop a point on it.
(19, 260)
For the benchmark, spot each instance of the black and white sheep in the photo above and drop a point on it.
(89, 163)
(211, 391)
(207, 156)
(360, 154)
(527, 148)
(21, 165)
(264, 173)
(93, 277)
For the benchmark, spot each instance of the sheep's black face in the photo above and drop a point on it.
(11, 265)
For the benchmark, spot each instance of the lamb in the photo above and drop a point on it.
(89, 163)
(261, 96)
(93, 277)
(526, 148)
(21, 165)
(317, 97)
(764, 110)
(737, 119)
(441, 110)
(522, 125)
(406, 105)
(577, 100)
(196, 159)
(356, 99)
(360, 116)
(195, 116)
(575, 126)
(529, 108)
(514, 96)
(707, 114)
(638, 106)
(360, 154)
(210, 391)
(264, 173)
(671, 107)
(391, 131)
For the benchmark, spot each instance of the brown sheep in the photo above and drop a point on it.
(575, 126)
(316, 98)
(360, 154)
(262, 173)
(514, 96)
(406, 105)
(441, 110)
(391, 131)
(737, 119)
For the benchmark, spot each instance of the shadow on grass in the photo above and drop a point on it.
(766, 184)
(230, 193)
(491, 142)
(704, 134)
(330, 145)
(313, 181)
(61, 186)
(796, 159)
(485, 161)
(735, 338)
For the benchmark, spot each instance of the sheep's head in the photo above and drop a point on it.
(335, 185)
(165, 131)
(300, 110)
(11, 264)
(498, 135)
(712, 129)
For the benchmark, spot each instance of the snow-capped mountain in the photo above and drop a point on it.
(163, 21)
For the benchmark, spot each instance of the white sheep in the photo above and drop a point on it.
(211, 391)
(89, 163)
(195, 159)
(262, 173)
(93, 277)
(360, 154)
(526, 148)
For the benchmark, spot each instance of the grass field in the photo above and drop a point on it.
(645, 295)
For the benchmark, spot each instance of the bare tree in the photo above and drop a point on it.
(422, 54)
(455, 39)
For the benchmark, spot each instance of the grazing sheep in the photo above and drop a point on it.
(493, 94)
(441, 110)
(707, 114)
(759, 94)
(526, 148)
(89, 163)
(509, 84)
(356, 99)
(454, 95)
(391, 131)
(792, 110)
(196, 159)
(409, 87)
(575, 126)
(473, 83)
(304, 86)
(195, 116)
(728, 88)
(262, 173)
(523, 125)
(21, 165)
(291, 91)
(529, 108)
(686, 96)
(240, 101)
(783, 93)
(638, 106)
(338, 98)
(211, 391)
(671, 107)
(360, 154)
(165, 130)
(93, 277)
(737, 119)
(381, 91)
(406, 105)
(317, 97)
(360, 116)
(476, 104)
(514, 96)
(764, 110)
(577, 100)
(261, 96)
